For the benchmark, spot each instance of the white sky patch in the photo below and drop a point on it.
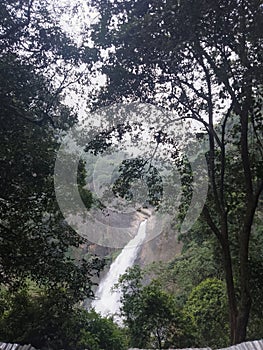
(75, 18)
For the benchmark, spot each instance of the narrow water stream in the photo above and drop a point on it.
(107, 302)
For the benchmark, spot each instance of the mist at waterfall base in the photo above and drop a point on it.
(107, 302)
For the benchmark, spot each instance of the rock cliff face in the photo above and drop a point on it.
(161, 243)
(128, 223)
(161, 248)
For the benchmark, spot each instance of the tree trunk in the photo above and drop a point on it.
(245, 298)
(159, 339)
(241, 324)
(238, 313)
(238, 317)
(230, 290)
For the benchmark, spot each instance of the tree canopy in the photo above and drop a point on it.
(150, 313)
(201, 59)
(38, 62)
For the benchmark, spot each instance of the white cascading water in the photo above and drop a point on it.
(107, 302)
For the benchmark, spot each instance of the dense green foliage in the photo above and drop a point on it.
(200, 59)
(203, 61)
(207, 309)
(150, 313)
(193, 286)
(36, 62)
(34, 235)
(184, 302)
(40, 317)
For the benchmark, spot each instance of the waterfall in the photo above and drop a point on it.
(107, 302)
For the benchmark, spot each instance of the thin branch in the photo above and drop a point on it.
(244, 142)
(260, 148)
(258, 192)
(206, 215)
(219, 204)
(195, 115)
(198, 93)
(17, 27)
(223, 159)
(221, 75)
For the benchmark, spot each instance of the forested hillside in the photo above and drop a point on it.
(202, 59)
